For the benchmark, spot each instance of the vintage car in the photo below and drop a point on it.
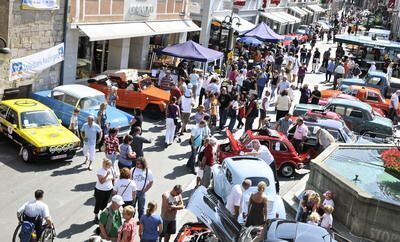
(234, 170)
(369, 95)
(288, 38)
(213, 214)
(375, 79)
(37, 130)
(359, 116)
(134, 92)
(318, 114)
(287, 160)
(64, 99)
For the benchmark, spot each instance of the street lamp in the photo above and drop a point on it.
(228, 22)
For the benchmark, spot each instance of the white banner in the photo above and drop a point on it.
(29, 65)
(40, 4)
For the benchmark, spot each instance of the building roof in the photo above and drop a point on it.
(78, 91)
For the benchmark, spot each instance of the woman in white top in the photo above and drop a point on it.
(233, 111)
(125, 187)
(283, 104)
(104, 187)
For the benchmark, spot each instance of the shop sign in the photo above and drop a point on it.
(28, 66)
(40, 5)
(140, 9)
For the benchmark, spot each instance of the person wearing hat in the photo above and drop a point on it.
(111, 219)
(324, 138)
(372, 67)
(300, 135)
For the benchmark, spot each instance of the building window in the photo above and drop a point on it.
(92, 57)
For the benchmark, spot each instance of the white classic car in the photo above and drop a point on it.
(234, 170)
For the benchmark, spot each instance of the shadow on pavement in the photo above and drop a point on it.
(296, 176)
(90, 202)
(177, 171)
(180, 156)
(74, 229)
(85, 187)
(157, 146)
(73, 170)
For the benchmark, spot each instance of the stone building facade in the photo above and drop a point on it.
(28, 32)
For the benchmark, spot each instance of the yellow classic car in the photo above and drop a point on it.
(37, 130)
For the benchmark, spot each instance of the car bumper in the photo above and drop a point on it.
(55, 156)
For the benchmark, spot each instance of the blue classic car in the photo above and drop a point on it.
(64, 99)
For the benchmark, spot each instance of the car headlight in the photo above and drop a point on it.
(41, 149)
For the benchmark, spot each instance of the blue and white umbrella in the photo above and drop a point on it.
(250, 41)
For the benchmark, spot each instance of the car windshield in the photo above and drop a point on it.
(38, 118)
(256, 180)
(348, 135)
(92, 102)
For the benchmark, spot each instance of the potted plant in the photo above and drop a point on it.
(391, 161)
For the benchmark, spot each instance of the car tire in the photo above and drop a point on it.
(287, 170)
(153, 111)
(26, 154)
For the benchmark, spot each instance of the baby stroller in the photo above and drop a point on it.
(178, 126)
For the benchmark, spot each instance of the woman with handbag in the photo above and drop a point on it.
(126, 155)
(103, 188)
(125, 187)
(172, 114)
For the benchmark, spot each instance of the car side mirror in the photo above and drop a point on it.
(14, 126)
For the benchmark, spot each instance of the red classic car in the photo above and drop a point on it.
(290, 37)
(286, 157)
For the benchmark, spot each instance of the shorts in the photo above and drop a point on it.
(89, 150)
(263, 114)
(185, 117)
(169, 227)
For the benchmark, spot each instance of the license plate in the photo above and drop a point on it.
(56, 157)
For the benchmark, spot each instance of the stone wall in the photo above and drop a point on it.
(31, 31)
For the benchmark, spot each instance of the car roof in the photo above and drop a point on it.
(24, 104)
(358, 87)
(78, 91)
(247, 166)
(376, 73)
(330, 123)
(352, 103)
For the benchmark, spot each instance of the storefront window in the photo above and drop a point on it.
(92, 57)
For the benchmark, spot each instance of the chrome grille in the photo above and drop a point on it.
(61, 148)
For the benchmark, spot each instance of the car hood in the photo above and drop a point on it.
(382, 121)
(115, 117)
(329, 93)
(301, 109)
(234, 143)
(156, 93)
(285, 230)
(49, 136)
(214, 215)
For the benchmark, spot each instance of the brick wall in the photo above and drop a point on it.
(31, 31)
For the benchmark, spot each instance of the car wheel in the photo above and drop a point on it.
(153, 111)
(26, 154)
(287, 170)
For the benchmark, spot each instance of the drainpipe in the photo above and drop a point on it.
(66, 3)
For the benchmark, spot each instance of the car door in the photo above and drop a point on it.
(227, 183)
(12, 124)
(67, 108)
(339, 109)
(355, 117)
(3, 115)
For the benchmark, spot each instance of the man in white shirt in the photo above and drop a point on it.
(324, 138)
(194, 80)
(262, 152)
(35, 209)
(300, 135)
(187, 102)
(234, 199)
(283, 85)
(143, 178)
(372, 67)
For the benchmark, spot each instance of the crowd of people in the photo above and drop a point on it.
(257, 82)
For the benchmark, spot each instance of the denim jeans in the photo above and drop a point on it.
(192, 159)
(232, 122)
(223, 116)
(141, 201)
(260, 90)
